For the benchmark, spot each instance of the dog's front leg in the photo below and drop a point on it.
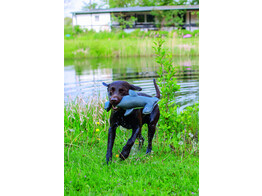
(127, 148)
(110, 142)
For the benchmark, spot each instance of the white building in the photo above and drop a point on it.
(101, 20)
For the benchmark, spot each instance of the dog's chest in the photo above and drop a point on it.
(125, 122)
(130, 121)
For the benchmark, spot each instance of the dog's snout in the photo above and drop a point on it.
(114, 100)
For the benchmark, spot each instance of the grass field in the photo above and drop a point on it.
(106, 44)
(167, 171)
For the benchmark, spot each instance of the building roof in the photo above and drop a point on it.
(140, 9)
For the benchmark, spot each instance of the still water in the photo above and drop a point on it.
(84, 77)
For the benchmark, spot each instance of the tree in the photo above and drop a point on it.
(124, 21)
(67, 21)
(194, 2)
(91, 6)
(169, 17)
(130, 3)
(120, 3)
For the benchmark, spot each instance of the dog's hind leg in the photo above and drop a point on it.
(151, 133)
(154, 117)
(141, 140)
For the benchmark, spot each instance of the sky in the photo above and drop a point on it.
(76, 5)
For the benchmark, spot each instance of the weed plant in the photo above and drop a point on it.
(178, 130)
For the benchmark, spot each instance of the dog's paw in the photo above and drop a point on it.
(148, 151)
(124, 155)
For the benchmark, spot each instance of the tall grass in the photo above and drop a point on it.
(121, 44)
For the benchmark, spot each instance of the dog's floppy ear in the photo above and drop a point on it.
(105, 84)
(136, 88)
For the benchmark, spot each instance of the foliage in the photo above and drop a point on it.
(90, 6)
(194, 2)
(169, 17)
(120, 3)
(179, 130)
(77, 29)
(67, 21)
(130, 3)
(123, 21)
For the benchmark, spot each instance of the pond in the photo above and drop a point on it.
(84, 77)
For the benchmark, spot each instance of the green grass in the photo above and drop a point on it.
(168, 170)
(157, 174)
(121, 44)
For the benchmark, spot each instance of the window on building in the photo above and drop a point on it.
(141, 18)
(150, 18)
(96, 18)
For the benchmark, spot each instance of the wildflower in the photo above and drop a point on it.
(98, 138)
(180, 143)
(193, 193)
(71, 130)
(85, 176)
(97, 123)
(70, 181)
(117, 155)
(97, 130)
(190, 134)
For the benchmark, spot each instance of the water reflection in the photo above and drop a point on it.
(84, 77)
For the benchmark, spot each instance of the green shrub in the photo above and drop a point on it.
(179, 130)
(77, 29)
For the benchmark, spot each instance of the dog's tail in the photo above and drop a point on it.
(157, 89)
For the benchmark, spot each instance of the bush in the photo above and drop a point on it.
(77, 29)
(178, 130)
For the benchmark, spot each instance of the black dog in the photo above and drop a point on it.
(116, 91)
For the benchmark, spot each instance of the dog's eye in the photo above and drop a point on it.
(121, 90)
(112, 90)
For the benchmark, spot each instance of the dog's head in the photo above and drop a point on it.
(117, 90)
